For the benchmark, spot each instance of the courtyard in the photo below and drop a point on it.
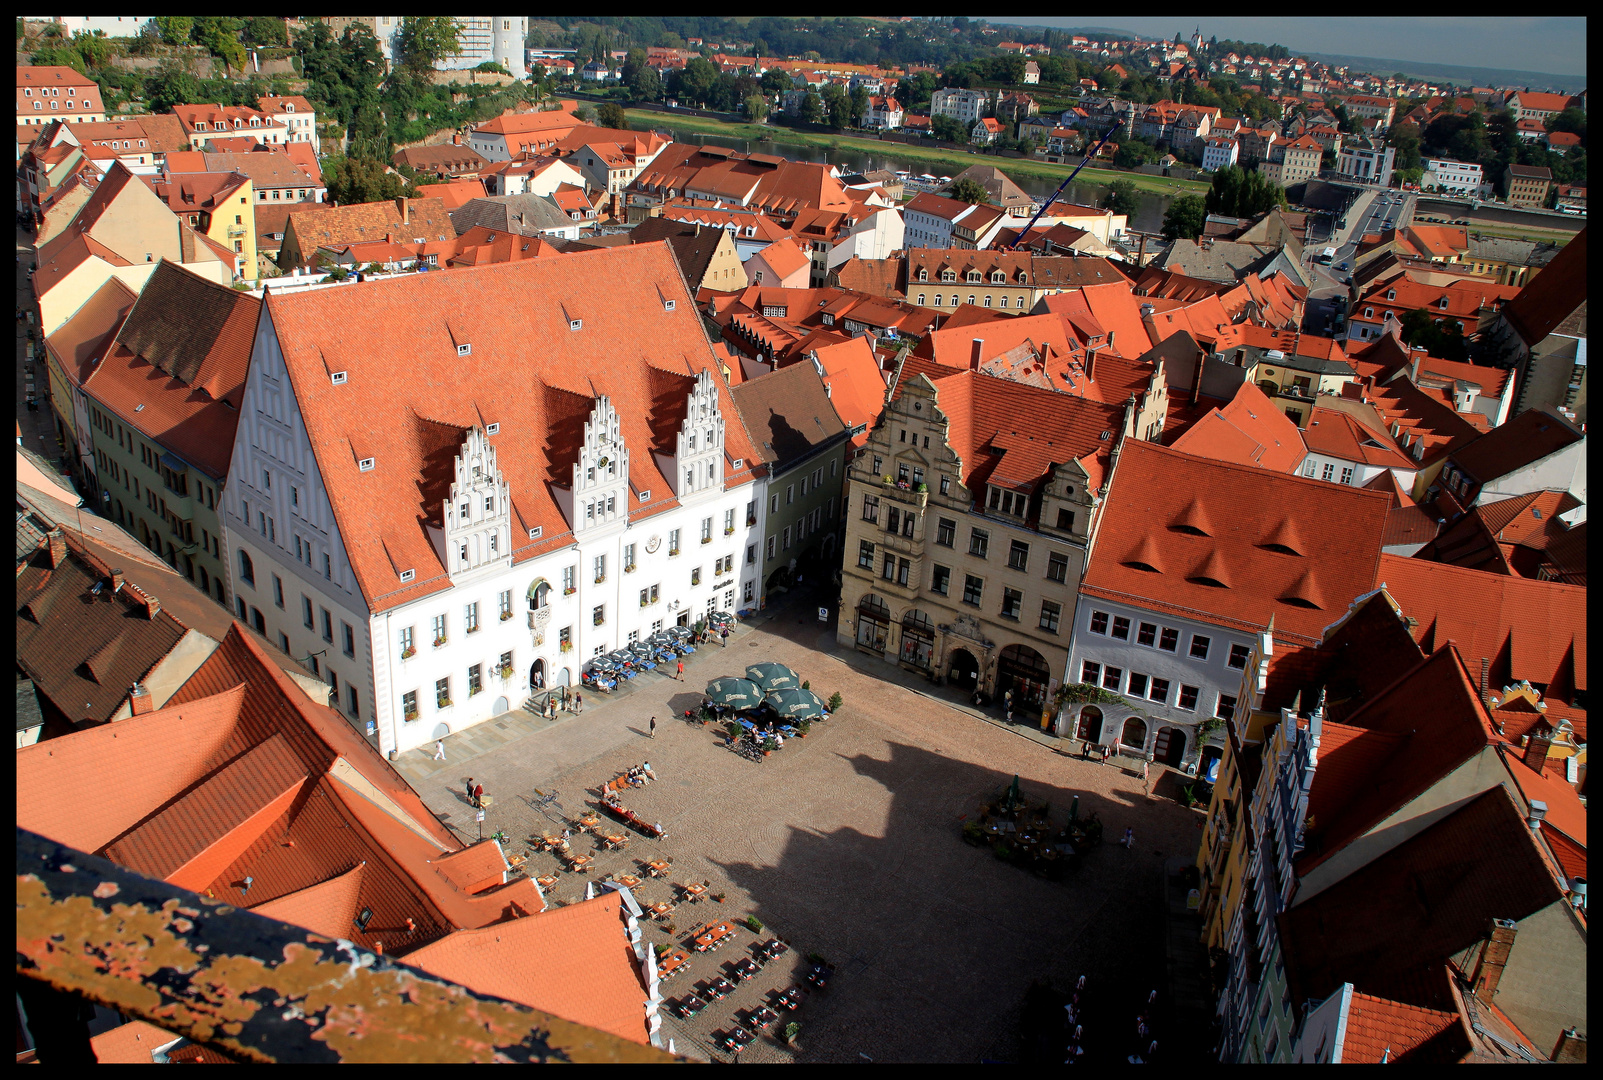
(846, 844)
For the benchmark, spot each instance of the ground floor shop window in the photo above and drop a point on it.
(873, 622)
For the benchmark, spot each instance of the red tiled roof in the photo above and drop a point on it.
(1337, 434)
(1506, 537)
(784, 258)
(1531, 630)
(132, 1043)
(182, 353)
(574, 962)
(82, 340)
(1552, 295)
(1248, 431)
(1156, 490)
(1379, 1030)
(1528, 437)
(1566, 814)
(403, 414)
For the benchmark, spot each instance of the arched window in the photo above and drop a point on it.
(247, 570)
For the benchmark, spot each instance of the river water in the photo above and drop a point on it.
(1148, 217)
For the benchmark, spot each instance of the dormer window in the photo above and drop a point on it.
(1443, 303)
(948, 275)
(365, 465)
(974, 275)
(464, 350)
(923, 273)
(999, 277)
(1391, 294)
(575, 324)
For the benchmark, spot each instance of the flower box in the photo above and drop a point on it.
(505, 672)
(566, 646)
(407, 654)
(438, 642)
(411, 715)
(673, 551)
(569, 592)
(478, 690)
(629, 569)
(729, 531)
(443, 702)
(505, 615)
(706, 539)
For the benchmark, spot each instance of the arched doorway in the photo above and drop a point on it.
(873, 623)
(1134, 735)
(918, 639)
(962, 669)
(827, 547)
(561, 677)
(1170, 746)
(537, 678)
(501, 706)
(1022, 670)
(779, 581)
(1090, 726)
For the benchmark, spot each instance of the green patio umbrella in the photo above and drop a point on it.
(794, 704)
(772, 676)
(1013, 797)
(734, 693)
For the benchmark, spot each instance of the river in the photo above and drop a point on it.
(1148, 217)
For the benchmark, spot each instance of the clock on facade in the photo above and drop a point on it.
(653, 544)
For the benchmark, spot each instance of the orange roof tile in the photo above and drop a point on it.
(784, 258)
(132, 1043)
(573, 962)
(1340, 435)
(855, 383)
(1248, 431)
(1379, 1030)
(406, 413)
(1161, 492)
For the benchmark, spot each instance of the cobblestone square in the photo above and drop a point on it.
(845, 844)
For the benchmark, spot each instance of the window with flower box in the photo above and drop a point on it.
(442, 692)
(407, 648)
(409, 705)
(439, 630)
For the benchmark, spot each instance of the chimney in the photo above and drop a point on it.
(58, 548)
(1570, 1048)
(1090, 364)
(1493, 957)
(139, 702)
(116, 581)
(1537, 744)
(456, 140)
(1419, 358)
(406, 213)
(1537, 811)
(1486, 666)
(974, 357)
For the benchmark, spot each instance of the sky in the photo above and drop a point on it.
(1554, 45)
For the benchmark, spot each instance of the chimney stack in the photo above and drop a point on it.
(58, 548)
(1536, 813)
(1537, 744)
(1090, 364)
(974, 357)
(1570, 1048)
(406, 213)
(116, 581)
(139, 702)
(1493, 958)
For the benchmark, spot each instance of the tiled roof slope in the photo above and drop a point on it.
(1566, 813)
(1158, 492)
(1379, 1030)
(787, 413)
(1248, 431)
(1528, 437)
(1552, 295)
(182, 353)
(1422, 902)
(855, 383)
(1336, 434)
(83, 339)
(1527, 629)
(573, 962)
(632, 350)
(1510, 536)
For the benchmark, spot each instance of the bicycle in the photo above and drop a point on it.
(543, 803)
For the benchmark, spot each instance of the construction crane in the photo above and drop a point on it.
(1091, 153)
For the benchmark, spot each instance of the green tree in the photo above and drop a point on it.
(695, 81)
(643, 82)
(1121, 197)
(1441, 339)
(838, 105)
(777, 81)
(168, 86)
(94, 48)
(1184, 218)
(756, 108)
(1570, 120)
(425, 40)
(859, 105)
(969, 191)
(174, 29)
(610, 115)
(265, 30)
(812, 109)
(1134, 152)
(360, 180)
(948, 130)
(219, 35)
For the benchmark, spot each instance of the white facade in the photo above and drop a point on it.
(876, 236)
(1457, 177)
(1153, 661)
(1337, 470)
(964, 106)
(113, 26)
(1219, 154)
(483, 38)
(1371, 166)
(565, 606)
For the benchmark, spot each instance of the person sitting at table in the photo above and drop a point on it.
(779, 742)
(645, 771)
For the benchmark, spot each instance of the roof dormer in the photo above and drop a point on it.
(698, 464)
(600, 492)
(478, 509)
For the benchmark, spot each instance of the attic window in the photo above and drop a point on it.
(139, 408)
(667, 305)
(534, 533)
(364, 917)
(1213, 583)
(1105, 436)
(338, 378)
(492, 429)
(739, 462)
(1148, 567)
(1295, 601)
(366, 464)
(575, 324)
(464, 350)
(645, 496)
(408, 575)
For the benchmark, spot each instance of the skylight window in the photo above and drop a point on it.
(534, 533)
(338, 378)
(365, 465)
(464, 350)
(492, 429)
(408, 575)
(575, 324)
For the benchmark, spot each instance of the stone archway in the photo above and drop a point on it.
(1089, 727)
(962, 669)
(537, 677)
(1134, 734)
(1024, 671)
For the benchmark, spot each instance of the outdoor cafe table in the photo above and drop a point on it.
(657, 867)
(548, 881)
(709, 938)
(628, 881)
(588, 819)
(613, 840)
(672, 962)
(762, 1016)
(580, 864)
(660, 910)
(745, 970)
(694, 892)
(789, 999)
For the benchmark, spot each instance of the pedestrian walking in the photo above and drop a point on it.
(724, 634)
(653, 727)
(478, 796)
(1129, 838)
(681, 673)
(1146, 780)
(1081, 984)
(470, 789)
(1085, 750)
(439, 749)
(578, 703)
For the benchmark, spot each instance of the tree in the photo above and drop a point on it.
(265, 30)
(969, 190)
(1236, 192)
(174, 29)
(1570, 120)
(168, 86)
(694, 82)
(425, 40)
(838, 105)
(643, 82)
(812, 109)
(1121, 197)
(1184, 218)
(756, 108)
(776, 81)
(94, 48)
(859, 104)
(586, 112)
(610, 115)
(219, 35)
(948, 130)
(1441, 339)
(359, 180)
